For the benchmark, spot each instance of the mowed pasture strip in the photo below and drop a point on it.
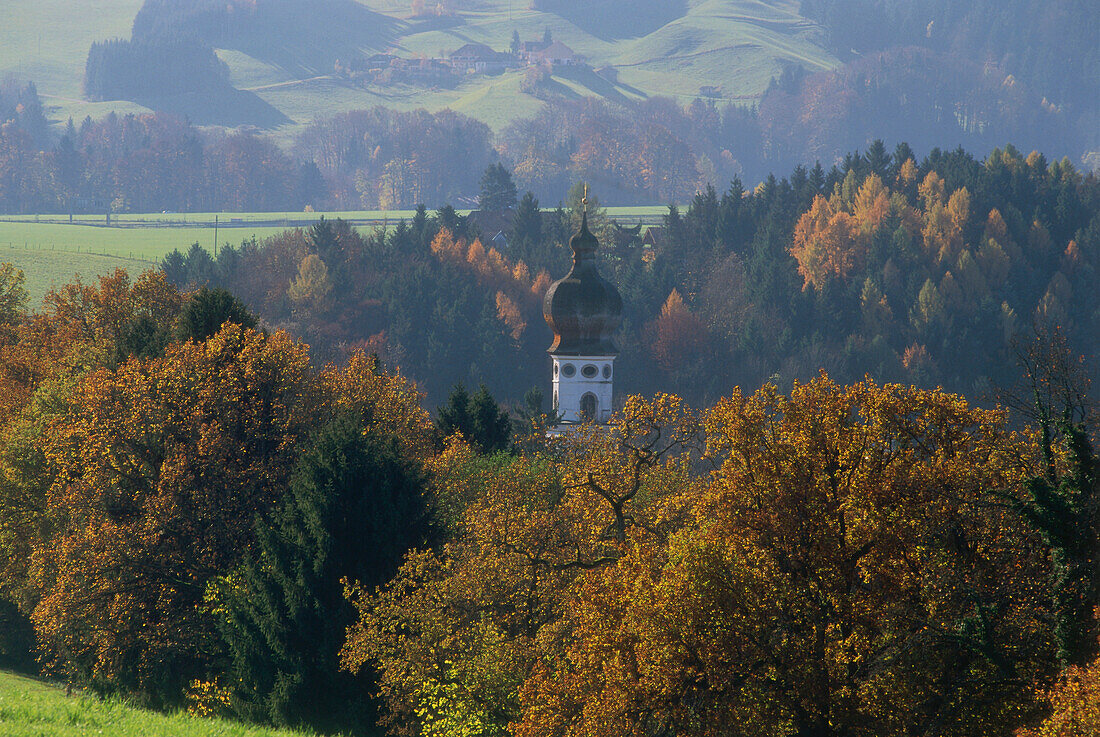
(51, 252)
(207, 219)
(31, 708)
(46, 270)
(230, 220)
(141, 242)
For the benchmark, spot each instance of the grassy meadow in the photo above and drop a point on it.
(50, 255)
(286, 80)
(31, 708)
(50, 251)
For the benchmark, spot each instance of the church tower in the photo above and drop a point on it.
(583, 309)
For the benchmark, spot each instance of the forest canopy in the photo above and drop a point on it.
(849, 486)
(219, 524)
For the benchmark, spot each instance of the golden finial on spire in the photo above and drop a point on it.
(584, 200)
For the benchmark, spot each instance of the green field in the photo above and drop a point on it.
(51, 252)
(670, 47)
(31, 708)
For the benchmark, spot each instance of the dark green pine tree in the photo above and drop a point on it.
(324, 239)
(482, 422)
(1065, 510)
(498, 191)
(206, 312)
(1062, 502)
(354, 507)
(527, 223)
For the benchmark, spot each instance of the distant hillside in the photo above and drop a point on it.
(647, 100)
(1048, 45)
(281, 53)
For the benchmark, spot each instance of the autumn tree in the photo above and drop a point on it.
(13, 296)
(156, 480)
(311, 291)
(457, 631)
(1073, 704)
(846, 572)
(13, 302)
(678, 334)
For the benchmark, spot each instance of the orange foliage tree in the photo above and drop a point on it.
(832, 238)
(846, 572)
(158, 471)
(455, 634)
(678, 335)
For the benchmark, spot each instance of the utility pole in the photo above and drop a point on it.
(215, 237)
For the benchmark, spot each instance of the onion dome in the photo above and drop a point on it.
(583, 309)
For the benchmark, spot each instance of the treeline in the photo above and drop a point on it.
(658, 151)
(920, 273)
(193, 514)
(122, 69)
(21, 107)
(427, 295)
(1048, 46)
(381, 158)
(170, 51)
(938, 76)
(149, 163)
(206, 20)
(653, 151)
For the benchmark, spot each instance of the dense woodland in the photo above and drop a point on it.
(1049, 45)
(933, 73)
(917, 273)
(221, 487)
(650, 152)
(193, 513)
(122, 69)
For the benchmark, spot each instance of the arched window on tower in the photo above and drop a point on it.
(589, 405)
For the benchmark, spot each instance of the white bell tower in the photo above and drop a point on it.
(583, 309)
(582, 387)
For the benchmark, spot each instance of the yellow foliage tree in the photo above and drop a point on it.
(844, 573)
(311, 290)
(457, 632)
(157, 479)
(827, 243)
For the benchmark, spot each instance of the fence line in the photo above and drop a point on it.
(81, 249)
(123, 223)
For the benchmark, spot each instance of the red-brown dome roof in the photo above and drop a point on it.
(583, 309)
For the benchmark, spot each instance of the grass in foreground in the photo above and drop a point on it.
(31, 708)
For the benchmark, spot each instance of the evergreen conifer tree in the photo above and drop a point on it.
(498, 191)
(206, 312)
(353, 508)
(478, 417)
(1065, 509)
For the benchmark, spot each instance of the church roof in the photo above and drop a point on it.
(583, 309)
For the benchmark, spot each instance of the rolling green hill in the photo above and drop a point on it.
(283, 63)
(31, 708)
